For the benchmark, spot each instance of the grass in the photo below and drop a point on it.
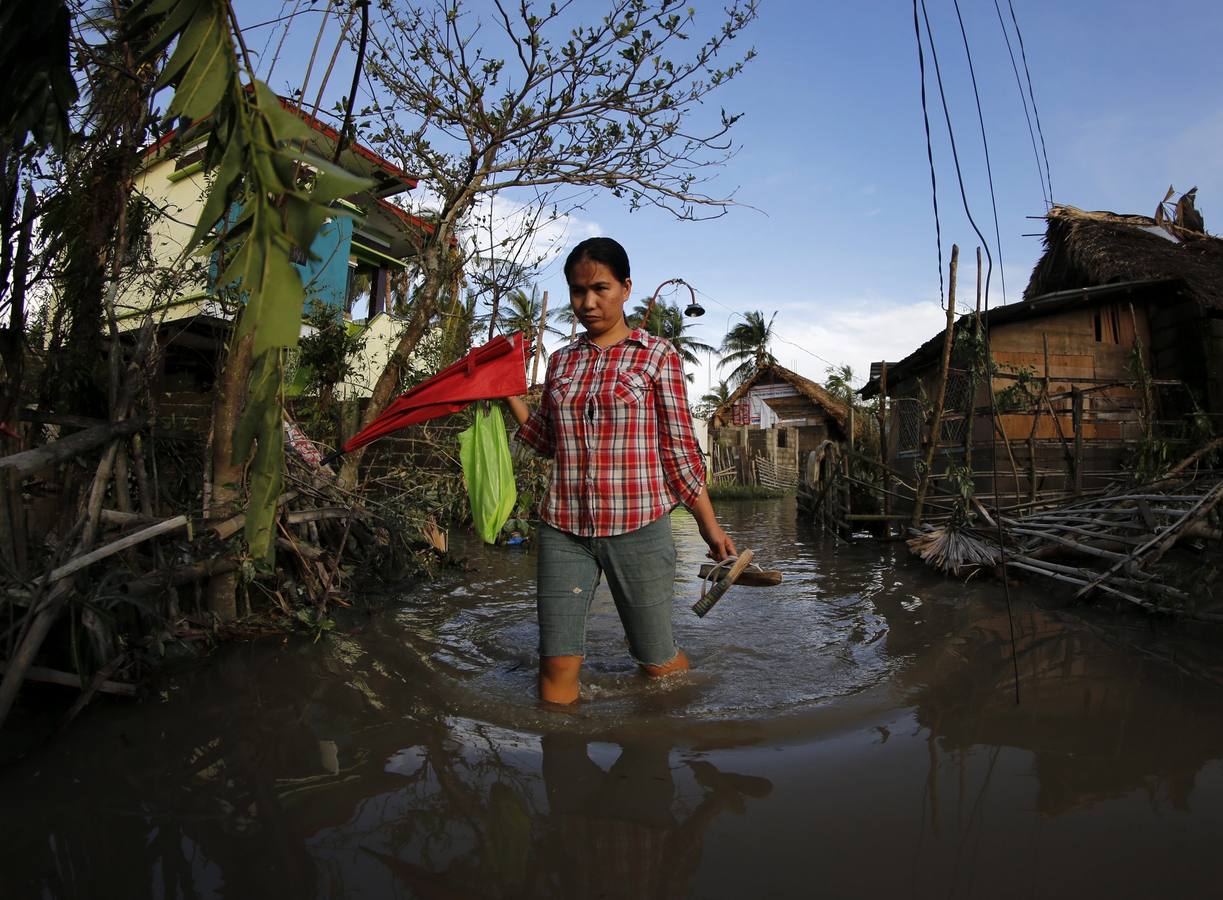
(744, 492)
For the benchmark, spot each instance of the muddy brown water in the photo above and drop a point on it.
(851, 733)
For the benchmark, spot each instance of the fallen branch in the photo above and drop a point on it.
(227, 528)
(28, 461)
(157, 581)
(67, 679)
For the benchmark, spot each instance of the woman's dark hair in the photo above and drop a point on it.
(600, 250)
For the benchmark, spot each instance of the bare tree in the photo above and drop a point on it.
(531, 98)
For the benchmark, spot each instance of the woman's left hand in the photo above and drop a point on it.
(720, 544)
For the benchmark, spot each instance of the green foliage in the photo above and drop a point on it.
(712, 400)
(747, 346)
(284, 194)
(667, 321)
(327, 354)
(1022, 394)
(839, 381)
(36, 85)
(963, 488)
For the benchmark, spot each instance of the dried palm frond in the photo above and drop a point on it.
(951, 549)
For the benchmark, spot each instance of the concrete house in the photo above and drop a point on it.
(355, 264)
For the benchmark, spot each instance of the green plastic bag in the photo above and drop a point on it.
(484, 450)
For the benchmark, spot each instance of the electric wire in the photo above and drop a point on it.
(280, 45)
(1046, 196)
(271, 34)
(989, 171)
(938, 233)
(988, 351)
(1023, 53)
(955, 153)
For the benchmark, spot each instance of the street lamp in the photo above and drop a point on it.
(693, 309)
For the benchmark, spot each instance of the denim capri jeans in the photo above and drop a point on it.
(640, 569)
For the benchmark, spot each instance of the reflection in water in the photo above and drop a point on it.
(851, 733)
(614, 833)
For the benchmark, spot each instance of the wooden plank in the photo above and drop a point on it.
(301, 516)
(88, 559)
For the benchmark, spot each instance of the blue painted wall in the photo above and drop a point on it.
(325, 274)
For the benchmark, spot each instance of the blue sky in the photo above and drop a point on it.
(837, 230)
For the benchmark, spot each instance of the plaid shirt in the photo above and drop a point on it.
(616, 422)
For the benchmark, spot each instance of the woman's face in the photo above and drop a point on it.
(597, 296)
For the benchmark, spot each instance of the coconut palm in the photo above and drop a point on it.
(518, 311)
(564, 315)
(667, 321)
(712, 400)
(746, 346)
(839, 381)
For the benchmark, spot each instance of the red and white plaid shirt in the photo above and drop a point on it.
(616, 422)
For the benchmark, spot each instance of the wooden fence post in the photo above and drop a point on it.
(1077, 401)
(936, 421)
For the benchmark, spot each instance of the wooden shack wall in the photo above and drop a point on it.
(1087, 349)
(1187, 344)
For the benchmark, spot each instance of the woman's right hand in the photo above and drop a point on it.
(518, 407)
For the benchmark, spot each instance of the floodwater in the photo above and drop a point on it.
(851, 733)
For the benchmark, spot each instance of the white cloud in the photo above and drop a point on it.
(549, 233)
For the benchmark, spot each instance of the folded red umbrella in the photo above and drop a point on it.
(497, 369)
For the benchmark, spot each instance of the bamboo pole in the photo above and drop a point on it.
(936, 422)
(88, 559)
(1078, 441)
(886, 479)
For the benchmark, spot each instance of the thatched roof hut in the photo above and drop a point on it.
(1088, 249)
(793, 407)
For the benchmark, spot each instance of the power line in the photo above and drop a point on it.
(938, 233)
(955, 154)
(989, 356)
(1040, 172)
(279, 19)
(993, 200)
(1024, 55)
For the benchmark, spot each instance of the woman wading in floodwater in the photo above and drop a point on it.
(614, 417)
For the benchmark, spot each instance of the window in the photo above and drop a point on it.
(366, 289)
(781, 438)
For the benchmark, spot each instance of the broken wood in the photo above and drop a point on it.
(936, 419)
(156, 581)
(302, 516)
(1160, 542)
(227, 528)
(67, 679)
(64, 449)
(144, 534)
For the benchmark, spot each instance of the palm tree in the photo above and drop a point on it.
(713, 400)
(839, 382)
(565, 316)
(518, 311)
(667, 321)
(746, 346)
